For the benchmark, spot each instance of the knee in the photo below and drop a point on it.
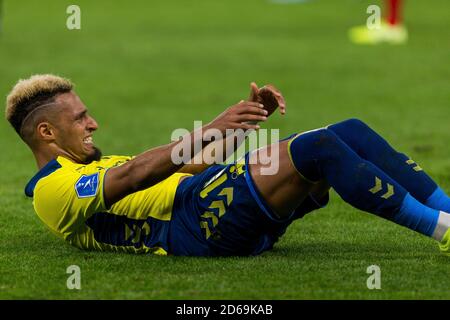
(323, 137)
(314, 141)
(312, 148)
(308, 149)
(355, 125)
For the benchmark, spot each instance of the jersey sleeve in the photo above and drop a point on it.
(65, 200)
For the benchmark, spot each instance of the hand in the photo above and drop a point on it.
(269, 96)
(242, 115)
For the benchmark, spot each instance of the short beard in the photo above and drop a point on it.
(95, 156)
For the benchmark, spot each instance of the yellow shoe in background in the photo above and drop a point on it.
(445, 243)
(386, 33)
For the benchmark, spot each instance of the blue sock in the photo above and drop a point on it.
(439, 200)
(372, 147)
(416, 216)
(321, 154)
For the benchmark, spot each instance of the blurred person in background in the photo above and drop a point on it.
(391, 30)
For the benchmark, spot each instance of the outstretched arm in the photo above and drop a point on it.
(269, 97)
(156, 164)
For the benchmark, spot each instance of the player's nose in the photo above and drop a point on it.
(92, 124)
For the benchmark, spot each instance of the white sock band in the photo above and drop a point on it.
(442, 226)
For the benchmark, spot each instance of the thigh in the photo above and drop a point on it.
(284, 189)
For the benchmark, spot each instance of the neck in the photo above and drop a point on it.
(47, 154)
(42, 158)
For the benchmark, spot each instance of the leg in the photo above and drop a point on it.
(372, 147)
(393, 14)
(321, 155)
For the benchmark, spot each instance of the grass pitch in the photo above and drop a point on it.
(145, 68)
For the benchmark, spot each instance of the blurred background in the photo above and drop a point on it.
(144, 68)
(183, 60)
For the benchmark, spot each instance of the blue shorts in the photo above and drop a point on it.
(220, 212)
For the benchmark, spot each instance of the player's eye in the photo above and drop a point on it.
(81, 116)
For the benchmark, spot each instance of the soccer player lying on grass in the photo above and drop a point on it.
(148, 203)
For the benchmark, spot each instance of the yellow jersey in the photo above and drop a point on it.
(68, 198)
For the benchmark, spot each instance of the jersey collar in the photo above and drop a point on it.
(49, 168)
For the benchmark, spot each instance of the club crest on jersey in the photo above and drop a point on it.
(87, 186)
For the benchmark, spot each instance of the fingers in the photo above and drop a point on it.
(281, 103)
(253, 110)
(280, 99)
(250, 118)
(250, 103)
(249, 126)
(254, 88)
(271, 88)
(276, 94)
(242, 106)
(283, 109)
(253, 92)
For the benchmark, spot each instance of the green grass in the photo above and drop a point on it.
(148, 67)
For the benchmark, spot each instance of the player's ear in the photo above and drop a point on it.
(46, 131)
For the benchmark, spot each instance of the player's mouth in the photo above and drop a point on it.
(88, 141)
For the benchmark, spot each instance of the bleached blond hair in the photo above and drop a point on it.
(30, 94)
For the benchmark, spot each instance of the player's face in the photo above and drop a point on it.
(74, 130)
